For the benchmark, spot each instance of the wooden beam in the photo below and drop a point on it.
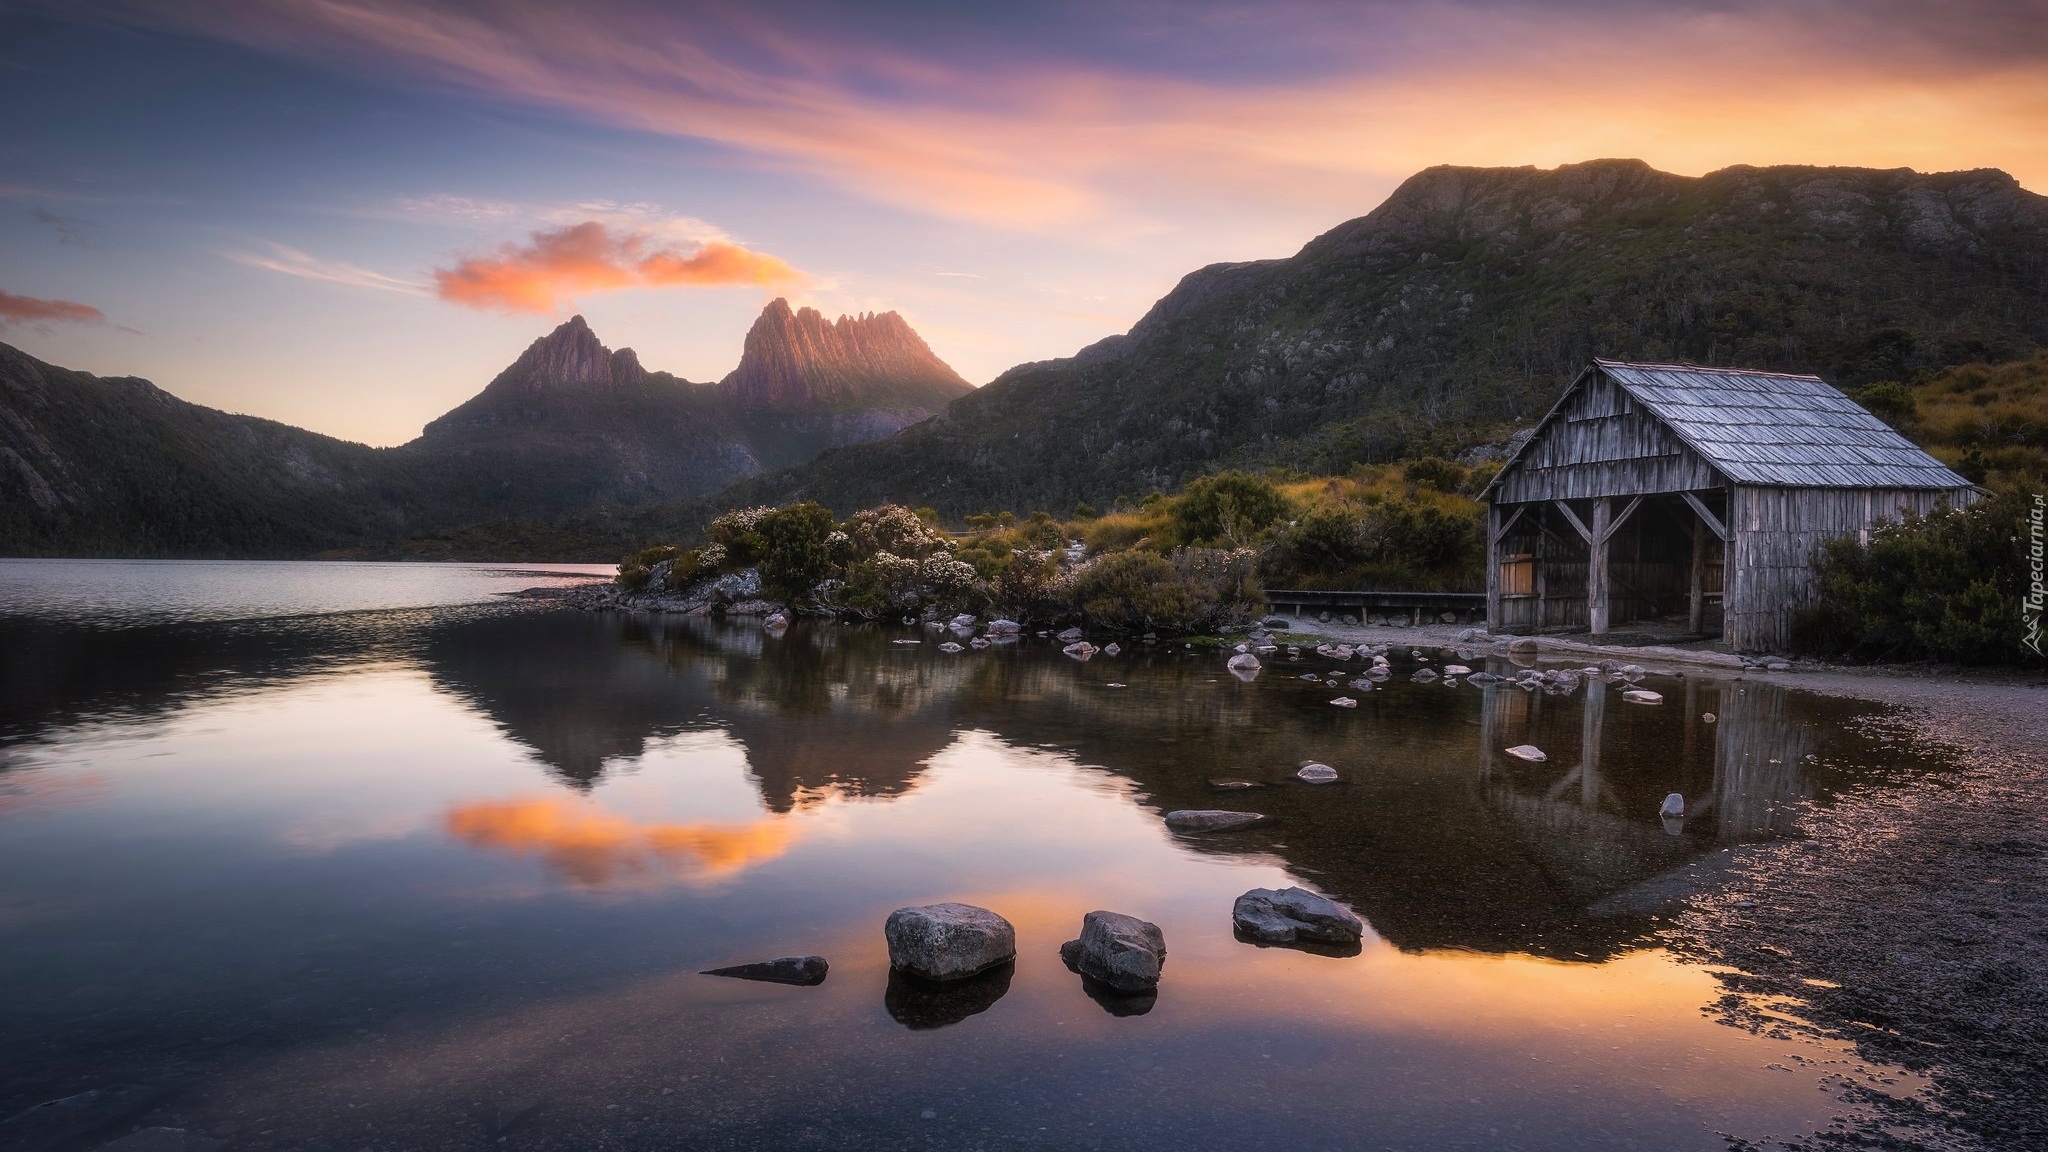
(1503, 527)
(1615, 526)
(1696, 613)
(1596, 566)
(1712, 521)
(1585, 533)
(1494, 531)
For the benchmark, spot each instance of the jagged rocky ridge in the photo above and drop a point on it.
(120, 467)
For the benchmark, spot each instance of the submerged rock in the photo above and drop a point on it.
(1456, 670)
(1314, 773)
(1123, 952)
(1080, 650)
(1424, 675)
(1234, 785)
(948, 941)
(1528, 752)
(1294, 914)
(1212, 819)
(920, 1004)
(1111, 648)
(949, 646)
(1708, 717)
(803, 971)
(1004, 627)
(1345, 702)
(1674, 805)
(1642, 696)
(1069, 635)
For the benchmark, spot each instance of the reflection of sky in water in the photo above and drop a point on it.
(487, 867)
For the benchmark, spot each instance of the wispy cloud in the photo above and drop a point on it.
(39, 314)
(556, 264)
(69, 229)
(290, 261)
(1041, 138)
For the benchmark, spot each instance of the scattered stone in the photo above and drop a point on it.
(1524, 644)
(1121, 951)
(1080, 650)
(1482, 678)
(906, 641)
(1291, 915)
(1350, 620)
(1423, 675)
(776, 622)
(1004, 627)
(1361, 685)
(1314, 773)
(1345, 702)
(1466, 636)
(1309, 676)
(1633, 672)
(949, 646)
(1280, 622)
(1112, 648)
(1529, 752)
(1448, 617)
(948, 941)
(1229, 785)
(1068, 636)
(1708, 717)
(1456, 670)
(1114, 684)
(964, 622)
(980, 642)
(1211, 819)
(1244, 662)
(1642, 696)
(1674, 805)
(802, 971)
(1778, 666)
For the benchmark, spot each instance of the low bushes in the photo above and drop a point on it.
(1946, 586)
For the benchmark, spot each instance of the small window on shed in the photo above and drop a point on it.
(1518, 575)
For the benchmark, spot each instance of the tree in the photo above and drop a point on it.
(794, 552)
(1228, 508)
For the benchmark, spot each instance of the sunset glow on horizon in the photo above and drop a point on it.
(350, 215)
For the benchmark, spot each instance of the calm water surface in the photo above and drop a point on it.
(363, 856)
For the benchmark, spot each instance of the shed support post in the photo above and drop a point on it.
(1596, 567)
(1492, 567)
(1696, 615)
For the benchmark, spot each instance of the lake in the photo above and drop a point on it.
(371, 856)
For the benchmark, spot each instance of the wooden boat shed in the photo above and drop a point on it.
(1651, 490)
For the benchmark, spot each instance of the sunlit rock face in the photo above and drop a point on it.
(797, 359)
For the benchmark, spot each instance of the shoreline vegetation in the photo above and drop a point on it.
(1190, 564)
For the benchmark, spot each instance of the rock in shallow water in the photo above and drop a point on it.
(1313, 773)
(948, 941)
(1674, 805)
(802, 971)
(1642, 696)
(1290, 915)
(1528, 752)
(1211, 819)
(1123, 952)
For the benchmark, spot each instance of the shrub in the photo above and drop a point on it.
(795, 550)
(1435, 472)
(1195, 590)
(894, 529)
(739, 531)
(634, 569)
(1889, 401)
(1229, 507)
(1945, 586)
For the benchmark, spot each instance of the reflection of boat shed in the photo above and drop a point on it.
(1659, 490)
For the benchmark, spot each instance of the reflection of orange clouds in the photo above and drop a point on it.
(598, 849)
(38, 791)
(589, 257)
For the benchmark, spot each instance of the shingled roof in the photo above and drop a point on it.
(1774, 428)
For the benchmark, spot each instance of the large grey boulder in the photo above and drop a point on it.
(1292, 915)
(1211, 819)
(948, 941)
(1121, 951)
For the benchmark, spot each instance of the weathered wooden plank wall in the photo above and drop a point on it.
(1777, 533)
(1604, 444)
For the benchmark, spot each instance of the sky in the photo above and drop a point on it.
(350, 214)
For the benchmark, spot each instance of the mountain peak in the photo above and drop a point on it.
(795, 358)
(570, 357)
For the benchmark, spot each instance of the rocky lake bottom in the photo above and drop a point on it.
(352, 858)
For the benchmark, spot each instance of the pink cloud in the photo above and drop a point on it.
(32, 311)
(590, 257)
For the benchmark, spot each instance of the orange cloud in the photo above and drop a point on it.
(29, 310)
(590, 257)
(596, 849)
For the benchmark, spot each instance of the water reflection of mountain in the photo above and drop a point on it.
(819, 711)
(1436, 836)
